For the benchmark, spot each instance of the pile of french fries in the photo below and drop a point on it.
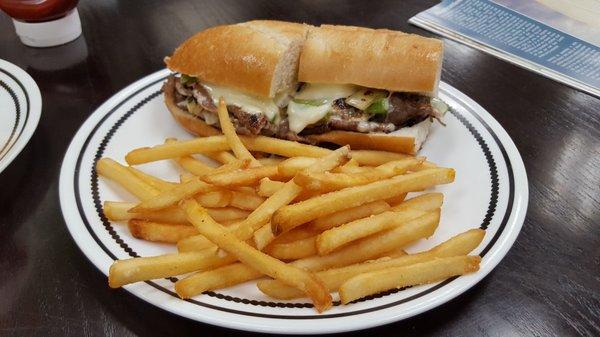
(303, 221)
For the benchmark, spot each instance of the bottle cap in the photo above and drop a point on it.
(49, 33)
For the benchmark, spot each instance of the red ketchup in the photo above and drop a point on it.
(44, 23)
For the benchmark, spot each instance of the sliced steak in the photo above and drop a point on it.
(252, 123)
(347, 118)
(408, 109)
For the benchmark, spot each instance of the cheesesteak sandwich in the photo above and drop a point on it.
(371, 89)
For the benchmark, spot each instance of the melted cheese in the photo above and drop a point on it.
(302, 115)
(326, 91)
(248, 103)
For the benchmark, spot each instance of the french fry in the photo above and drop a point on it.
(294, 215)
(220, 198)
(255, 259)
(118, 173)
(290, 167)
(219, 278)
(327, 181)
(194, 166)
(423, 202)
(160, 232)
(397, 199)
(366, 251)
(460, 244)
(286, 194)
(137, 269)
(348, 215)
(194, 244)
(270, 161)
(245, 201)
(227, 214)
(337, 237)
(268, 187)
(398, 277)
(174, 195)
(233, 140)
(353, 169)
(296, 234)
(245, 177)
(293, 250)
(222, 157)
(263, 236)
(284, 148)
(245, 189)
(374, 246)
(119, 211)
(151, 180)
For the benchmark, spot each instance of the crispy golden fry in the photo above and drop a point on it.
(461, 244)
(245, 201)
(337, 237)
(194, 244)
(375, 158)
(255, 259)
(334, 278)
(137, 269)
(296, 234)
(327, 181)
(423, 202)
(280, 147)
(294, 215)
(245, 177)
(194, 166)
(119, 211)
(233, 140)
(227, 214)
(174, 195)
(353, 169)
(222, 157)
(284, 148)
(210, 144)
(118, 173)
(286, 194)
(263, 236)
(350, 214)
(270, 161)
(398, 277)
(293, 250)
(268, 187)
(374, 246)
(397, 199)
(160, 232)
(220, 198)
(219, 278)
(245, 189)
(151, 180)
(290, 167)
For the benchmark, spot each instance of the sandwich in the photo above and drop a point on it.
(369, 88)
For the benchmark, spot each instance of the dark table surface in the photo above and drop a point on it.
(548, 284)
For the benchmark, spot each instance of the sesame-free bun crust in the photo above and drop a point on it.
(257, 57)
(381, 59)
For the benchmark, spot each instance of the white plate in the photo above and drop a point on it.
(490, 192)
(21, 107)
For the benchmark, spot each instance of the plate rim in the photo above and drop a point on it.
(33, 113)
(520, 204)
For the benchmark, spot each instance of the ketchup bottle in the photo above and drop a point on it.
(44, 23)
